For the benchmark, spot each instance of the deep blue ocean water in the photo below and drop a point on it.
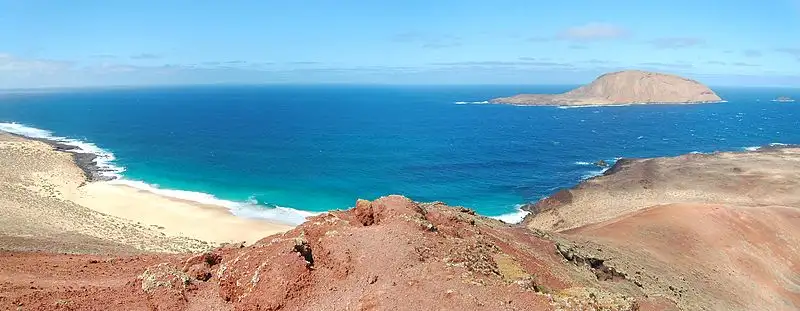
(318, 148)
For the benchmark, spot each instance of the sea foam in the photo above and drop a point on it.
(104, 159)
(594, 106)
(756, 148)
(514, 217)
(105, 162)
(594, 173)
(472, 103)
(247, 209)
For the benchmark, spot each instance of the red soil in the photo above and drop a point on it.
(740, 258)
(390, 254)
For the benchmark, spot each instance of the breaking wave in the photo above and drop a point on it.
(513, 217)
(105, 162)
(472, 103)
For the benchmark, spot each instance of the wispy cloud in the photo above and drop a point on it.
(428, 41)
(752, 53)
(668, 65)
(441, 45)
(11, 63)
(222, 64)
(143, 56)
(677, 42)
(103, 56)
(303, 63)
(523, 62)
(592, 32)
(534, 59)
(743, 64)
(716, 62)
(106, 69)
(793, 52)
(598, 62)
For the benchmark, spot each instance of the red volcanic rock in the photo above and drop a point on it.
(200, 267)
(388, 254)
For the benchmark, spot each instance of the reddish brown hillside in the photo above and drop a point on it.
(390, 254)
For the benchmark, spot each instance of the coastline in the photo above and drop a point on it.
(633, 184)
(75, 180)
(570, 106)
(86, 161)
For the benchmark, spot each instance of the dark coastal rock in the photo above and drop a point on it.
(773, 147)
(618, 166)
(87, 162)
(563, 196)
(601, 163)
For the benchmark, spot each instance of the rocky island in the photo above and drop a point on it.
(623, 87)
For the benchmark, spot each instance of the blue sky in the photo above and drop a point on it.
(98, 43)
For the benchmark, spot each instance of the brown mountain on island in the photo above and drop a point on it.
(623, 87)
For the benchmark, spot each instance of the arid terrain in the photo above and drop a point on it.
(390, 254)
(695, 232)
(720, 231)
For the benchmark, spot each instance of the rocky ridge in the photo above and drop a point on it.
(388, 254)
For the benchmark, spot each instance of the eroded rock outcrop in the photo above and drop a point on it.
(623, 87)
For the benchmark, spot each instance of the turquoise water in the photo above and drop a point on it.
(316, 148)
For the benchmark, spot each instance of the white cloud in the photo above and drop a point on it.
(17, 65)
(677, 42)
(752, 53)
(593, 31)
(793, 52)
(428, 41)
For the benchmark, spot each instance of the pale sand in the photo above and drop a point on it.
(43, 199)
(177, 217)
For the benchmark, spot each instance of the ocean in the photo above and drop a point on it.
(284, 152)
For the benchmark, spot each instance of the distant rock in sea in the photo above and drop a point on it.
(623, 87)
(784, 99)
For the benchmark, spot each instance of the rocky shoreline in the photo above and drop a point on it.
(86, 161)
(666, 180)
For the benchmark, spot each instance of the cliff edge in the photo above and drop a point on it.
(623, 87)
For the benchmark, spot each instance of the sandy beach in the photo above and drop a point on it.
(176, 217)
(47, 204)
